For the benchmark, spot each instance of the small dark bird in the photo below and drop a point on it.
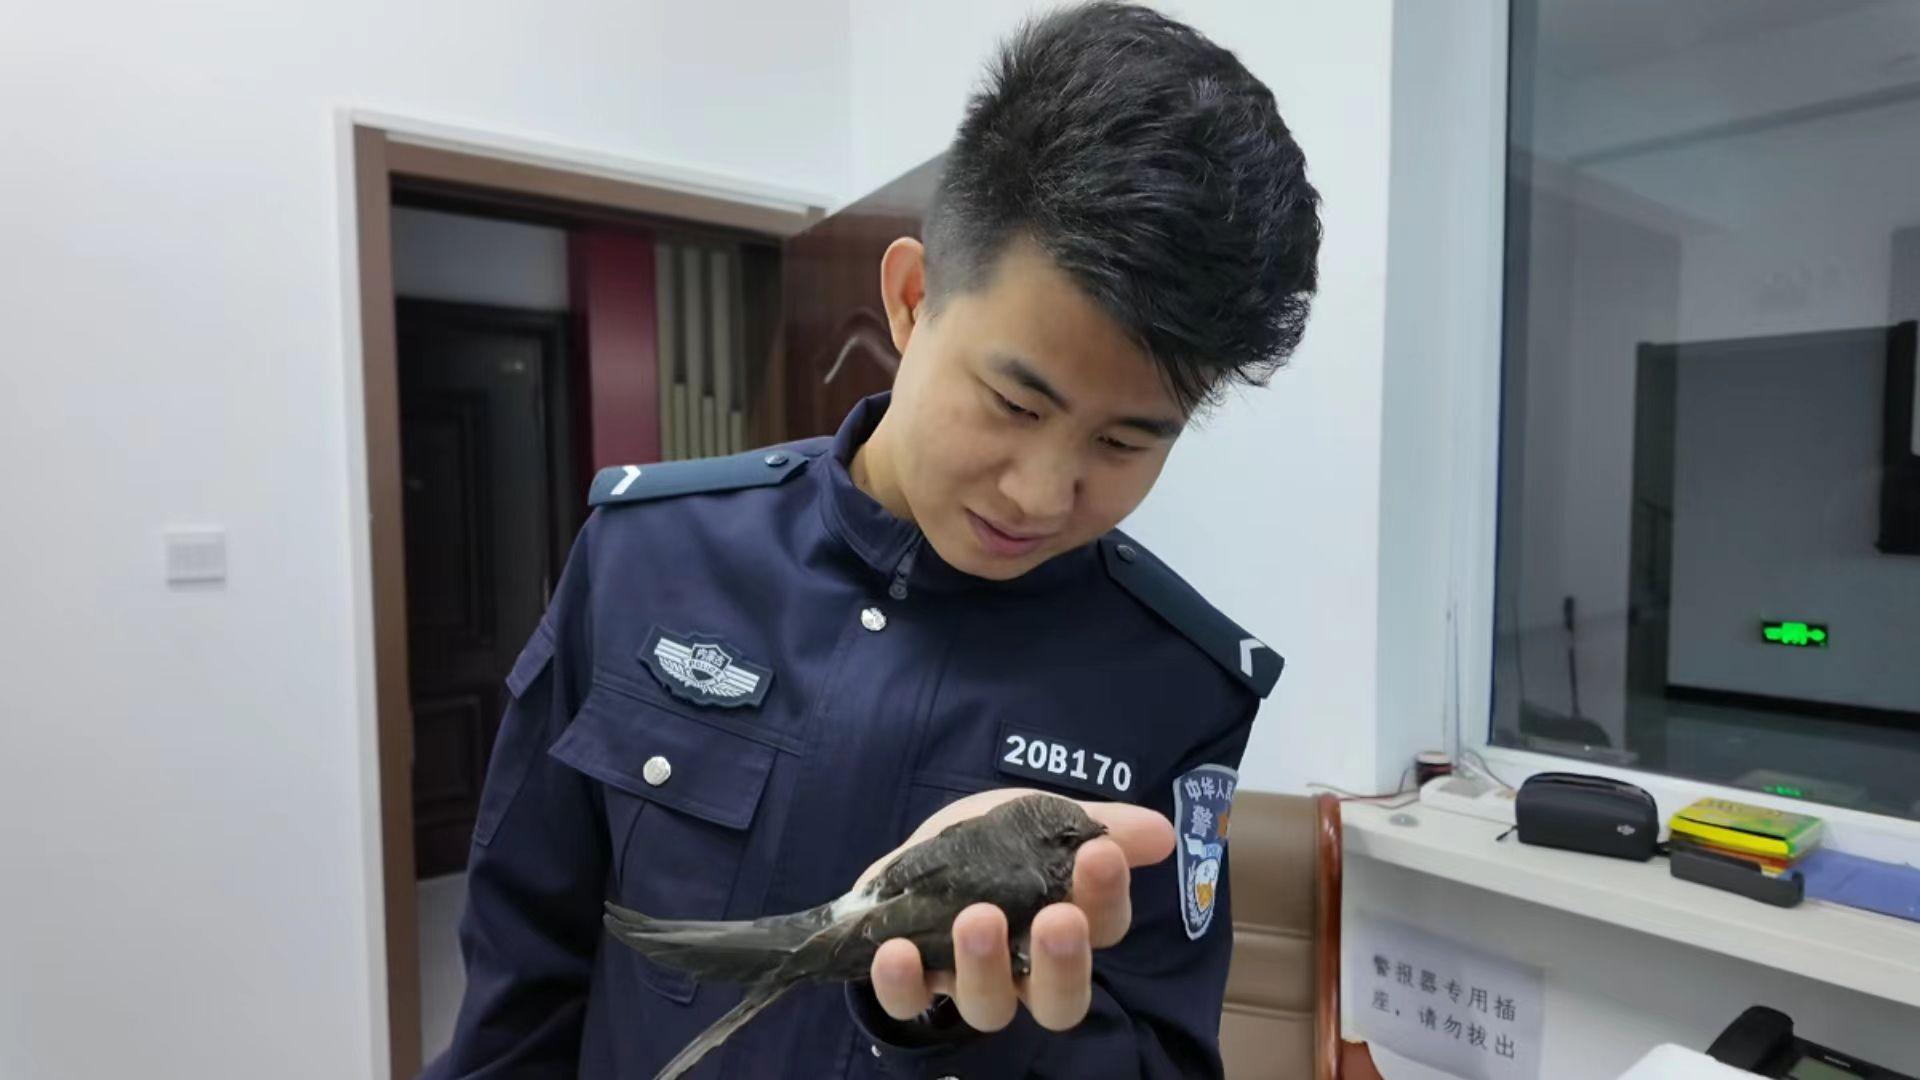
(1018, 856)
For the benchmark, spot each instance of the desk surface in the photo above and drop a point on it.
(1671, 1062)
(1873, 954)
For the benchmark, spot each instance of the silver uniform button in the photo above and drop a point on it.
(656, 770)
(776, 459)
(1126, 553)
(875, 1047)
(874, 619)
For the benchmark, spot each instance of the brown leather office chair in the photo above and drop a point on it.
(1282, 1016)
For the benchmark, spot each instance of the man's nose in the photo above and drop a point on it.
(1042, 485)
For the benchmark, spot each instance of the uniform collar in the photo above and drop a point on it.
(884, 541)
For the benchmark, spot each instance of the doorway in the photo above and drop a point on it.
(524, 324)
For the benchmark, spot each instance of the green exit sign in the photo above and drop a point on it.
(1800, 635)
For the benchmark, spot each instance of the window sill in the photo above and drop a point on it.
(1875, 836)
(1869, 953)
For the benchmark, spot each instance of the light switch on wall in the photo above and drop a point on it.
(196, 556)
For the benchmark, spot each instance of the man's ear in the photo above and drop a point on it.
(903, 288)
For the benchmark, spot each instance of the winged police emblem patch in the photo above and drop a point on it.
(704, 670)
(1202, 803)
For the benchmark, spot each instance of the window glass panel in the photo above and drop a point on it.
(1709, 534)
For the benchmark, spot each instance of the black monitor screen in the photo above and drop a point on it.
(1809, 1068)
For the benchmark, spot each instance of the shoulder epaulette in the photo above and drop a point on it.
(640, 483)
(1155, 585)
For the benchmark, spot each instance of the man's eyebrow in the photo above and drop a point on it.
(1158, 428)
(1016, 369)
(1021, 372)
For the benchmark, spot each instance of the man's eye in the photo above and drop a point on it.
(1012, 409)
(1112, 443)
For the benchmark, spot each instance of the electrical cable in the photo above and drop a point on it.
(1400, 790)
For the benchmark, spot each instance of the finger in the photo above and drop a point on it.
(1060, 988)
(982, 969)
(1102, 889)
(899, 983)
(1146, 836)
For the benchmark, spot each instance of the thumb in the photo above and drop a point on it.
(1144, 835)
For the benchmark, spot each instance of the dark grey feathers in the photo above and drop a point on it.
(1018, 856)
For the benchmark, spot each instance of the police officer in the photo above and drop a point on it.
(759, 674)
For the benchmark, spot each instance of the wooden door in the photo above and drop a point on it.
(479, 397)
(836, 343)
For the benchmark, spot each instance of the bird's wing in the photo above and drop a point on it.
(924, 867)
(924, 918)
(724, 951)
(911, 914)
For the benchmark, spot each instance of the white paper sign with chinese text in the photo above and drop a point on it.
(1434, 1000)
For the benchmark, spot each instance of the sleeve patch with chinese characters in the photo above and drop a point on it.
(1024, 752)
(1202, 803)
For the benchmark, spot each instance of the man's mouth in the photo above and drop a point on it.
(1000, 542)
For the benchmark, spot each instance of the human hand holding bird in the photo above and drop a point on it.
(998, 899)
(1059, 986)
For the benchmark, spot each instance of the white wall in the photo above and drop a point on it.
(183, 791)
(1794, 540)
(1445, 202)
(1903, 299)
(1286, 480)
(477, 260)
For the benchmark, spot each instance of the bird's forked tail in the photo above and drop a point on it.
(759, 996)
(735, 952)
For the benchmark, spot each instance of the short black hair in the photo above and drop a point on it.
(1156, 172)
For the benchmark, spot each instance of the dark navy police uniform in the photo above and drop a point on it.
(752, 682)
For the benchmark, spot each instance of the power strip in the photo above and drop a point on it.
(1469, 795)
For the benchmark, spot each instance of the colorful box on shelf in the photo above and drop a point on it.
(1743, 829)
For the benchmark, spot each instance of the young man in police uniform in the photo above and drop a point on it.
(759, 674)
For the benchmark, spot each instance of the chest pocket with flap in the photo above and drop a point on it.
(680, 796)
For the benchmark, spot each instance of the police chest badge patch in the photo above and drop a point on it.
(704, 670)
(1202, 802)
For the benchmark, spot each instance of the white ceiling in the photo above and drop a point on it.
(1584, 38)
(1738, 114)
